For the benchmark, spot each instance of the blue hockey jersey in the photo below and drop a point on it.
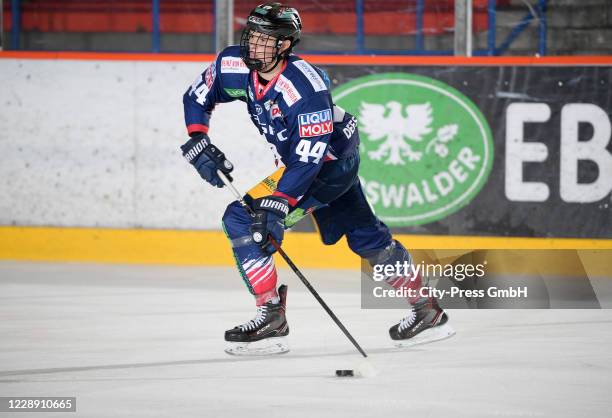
(294, 111)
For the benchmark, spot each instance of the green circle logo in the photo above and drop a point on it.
(426, 149)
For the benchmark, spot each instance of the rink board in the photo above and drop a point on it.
(211, 247)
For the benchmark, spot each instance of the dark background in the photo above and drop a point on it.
(492, 89)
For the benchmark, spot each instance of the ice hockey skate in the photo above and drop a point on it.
(426, 323)
(263, 335)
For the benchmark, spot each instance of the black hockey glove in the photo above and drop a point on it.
(269, 221)
(207, 159)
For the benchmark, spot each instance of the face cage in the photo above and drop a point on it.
(266, 58)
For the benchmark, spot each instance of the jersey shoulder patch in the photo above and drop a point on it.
(234, 65)
(313, 77)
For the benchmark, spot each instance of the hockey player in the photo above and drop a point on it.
(289, 102)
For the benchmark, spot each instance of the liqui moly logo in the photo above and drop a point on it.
(315, 123)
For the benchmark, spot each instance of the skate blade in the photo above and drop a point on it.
(430, 335)
(265, 347)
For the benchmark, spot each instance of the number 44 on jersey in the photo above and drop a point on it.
(307, 149)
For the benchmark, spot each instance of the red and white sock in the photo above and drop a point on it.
(410, 283)
(262, 276)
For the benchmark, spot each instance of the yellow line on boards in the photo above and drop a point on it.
(146, 246)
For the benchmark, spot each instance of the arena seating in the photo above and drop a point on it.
(196, 16)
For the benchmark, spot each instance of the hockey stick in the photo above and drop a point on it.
(278, 248)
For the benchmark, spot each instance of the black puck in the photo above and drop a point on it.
(344, 373)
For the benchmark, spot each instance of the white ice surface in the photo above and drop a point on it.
(148, 342)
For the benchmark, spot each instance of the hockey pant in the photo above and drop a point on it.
(345, 211)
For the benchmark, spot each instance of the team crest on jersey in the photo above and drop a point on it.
(275, 111)
(315, 123)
